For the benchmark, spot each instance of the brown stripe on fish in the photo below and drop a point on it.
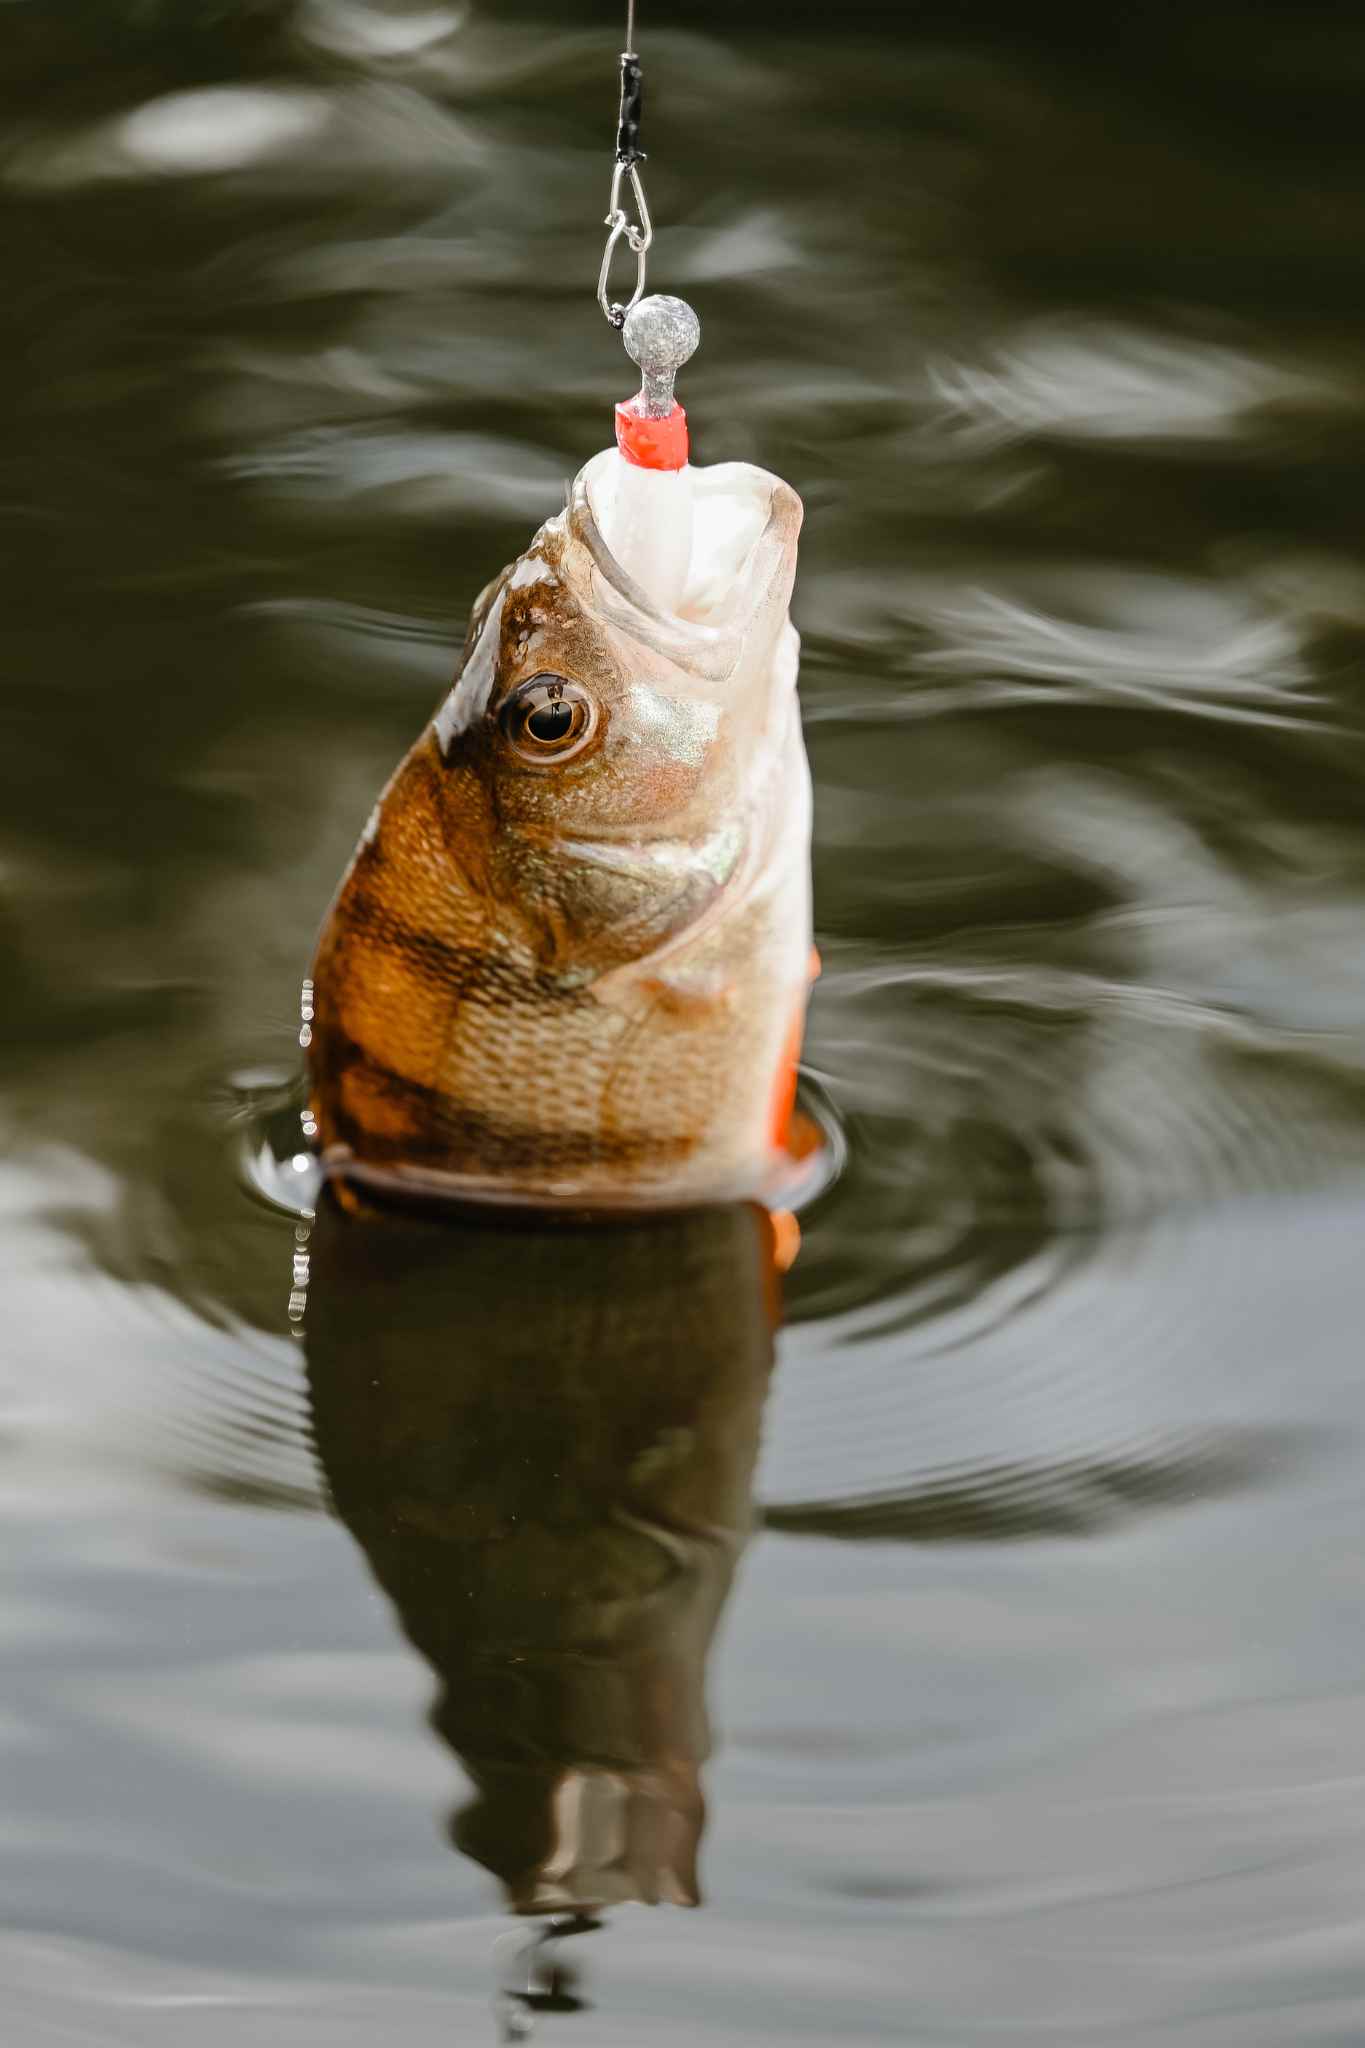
(408, 939)
(372, 921)
(397, 992)
(386, 1118)
(431, 820)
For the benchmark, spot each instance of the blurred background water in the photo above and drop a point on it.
(1039, 1691)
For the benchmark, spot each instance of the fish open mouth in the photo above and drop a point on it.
(730, 507)
(741, 559)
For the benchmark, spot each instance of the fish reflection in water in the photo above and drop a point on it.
(543, 1438)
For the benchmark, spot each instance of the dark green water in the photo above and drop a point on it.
(1037, 1693)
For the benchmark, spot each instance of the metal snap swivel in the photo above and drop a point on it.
(639, 233)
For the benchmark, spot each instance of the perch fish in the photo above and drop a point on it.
(569, 961)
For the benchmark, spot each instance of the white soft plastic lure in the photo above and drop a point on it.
(570, 958)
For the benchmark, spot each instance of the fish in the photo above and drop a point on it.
(558, 1523)
(570, 959)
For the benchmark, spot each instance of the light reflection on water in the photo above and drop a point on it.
(1038, 1692)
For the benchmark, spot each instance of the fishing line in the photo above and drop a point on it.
(638, 233)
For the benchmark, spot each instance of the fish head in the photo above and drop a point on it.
(618, 757)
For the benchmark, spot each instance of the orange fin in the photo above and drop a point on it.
(784, 1088)
(786, 1239)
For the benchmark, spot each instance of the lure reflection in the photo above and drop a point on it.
(543, 1439)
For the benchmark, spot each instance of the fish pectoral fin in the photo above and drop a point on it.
(686, 994)
(690, 994)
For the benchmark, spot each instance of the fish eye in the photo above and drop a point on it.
(549, 718)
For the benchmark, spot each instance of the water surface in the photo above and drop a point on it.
(1034, 1672)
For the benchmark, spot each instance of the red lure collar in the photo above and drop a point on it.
(651, 444)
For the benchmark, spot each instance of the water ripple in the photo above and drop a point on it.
(1002, 1315)
(1106, 638)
